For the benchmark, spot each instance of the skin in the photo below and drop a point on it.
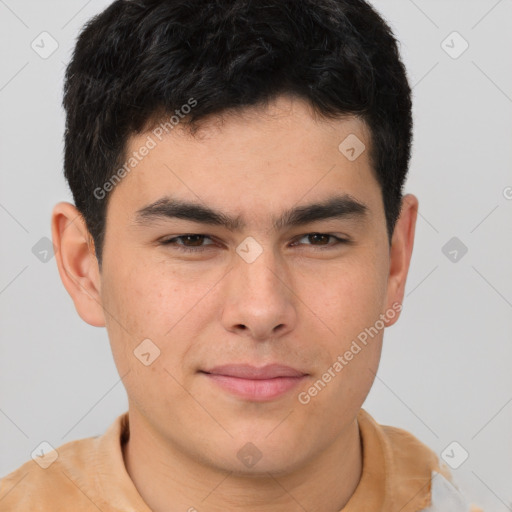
(301, 305)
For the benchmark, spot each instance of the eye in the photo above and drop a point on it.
(323, 240)
(187, 243)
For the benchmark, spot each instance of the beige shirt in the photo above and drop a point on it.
(399, 473)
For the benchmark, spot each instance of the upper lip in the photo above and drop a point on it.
(246, 371)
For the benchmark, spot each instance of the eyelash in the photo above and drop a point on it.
(180, 247)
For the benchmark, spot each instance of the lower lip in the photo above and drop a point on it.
(259, 390)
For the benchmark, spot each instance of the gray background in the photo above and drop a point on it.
(445, 370)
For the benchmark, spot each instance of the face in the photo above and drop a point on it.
(296, 291)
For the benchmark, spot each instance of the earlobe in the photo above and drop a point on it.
(77, 263)
(401, 252)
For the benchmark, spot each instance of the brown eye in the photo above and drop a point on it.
(319, 237)
(191, 243)
(195, 240)
(322, 240)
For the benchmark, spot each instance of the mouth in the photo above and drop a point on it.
(256, 384)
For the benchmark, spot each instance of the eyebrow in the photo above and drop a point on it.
(336, 207)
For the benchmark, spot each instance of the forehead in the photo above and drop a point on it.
(261, 159)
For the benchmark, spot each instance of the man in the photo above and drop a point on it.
(240, 230)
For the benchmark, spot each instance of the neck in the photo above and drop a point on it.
(164, 475)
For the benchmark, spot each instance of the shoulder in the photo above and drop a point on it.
(404, 455)
(409, 455)
(414, 471)
(52, 480)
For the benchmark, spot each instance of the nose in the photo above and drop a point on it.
(260, 302)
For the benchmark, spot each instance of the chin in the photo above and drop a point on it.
(259, 457)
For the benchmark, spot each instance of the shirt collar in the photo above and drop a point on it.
(396, 471)
(112, 478)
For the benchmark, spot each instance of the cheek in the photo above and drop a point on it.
(351, 296)
(147, 298)
(159, 302)
(145, 307)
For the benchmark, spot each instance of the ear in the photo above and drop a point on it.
(400, 253)
(77, 263)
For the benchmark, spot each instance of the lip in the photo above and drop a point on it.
(247, 371)
(256, 384)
